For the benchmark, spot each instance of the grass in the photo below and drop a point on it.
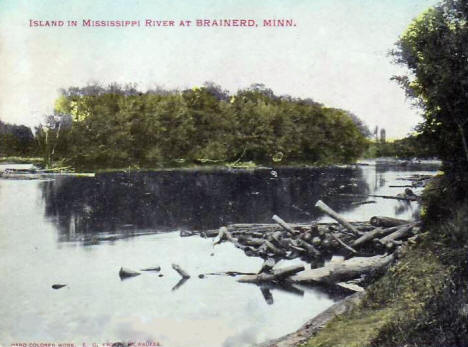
(399, 296)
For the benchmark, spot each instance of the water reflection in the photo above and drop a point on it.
(122, 204)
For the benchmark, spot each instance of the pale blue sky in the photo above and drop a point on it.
(337, 53)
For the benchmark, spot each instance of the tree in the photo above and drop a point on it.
(435, 50)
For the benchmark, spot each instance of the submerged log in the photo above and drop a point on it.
(275, 275)
(349, 269)
(387, 222)
(125, 273)
(326, 209)
(180, 271)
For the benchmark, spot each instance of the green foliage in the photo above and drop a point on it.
(122, 127)
(16, 140)
(414, 146)
(435, 49)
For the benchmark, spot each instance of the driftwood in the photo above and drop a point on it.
(284, 225)
(220, 236)
(349, 269)
(387, 222)
(403, 198)
(267, 265)
(402, 232)
(155, 268)
(275, 275)
(326, 209)
(180, 271)
(377, 232)
(125, 273)
(179, 284)
(336, 238)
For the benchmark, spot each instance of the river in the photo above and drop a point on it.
(79, 231)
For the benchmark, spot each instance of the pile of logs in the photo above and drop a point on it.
(365, 247)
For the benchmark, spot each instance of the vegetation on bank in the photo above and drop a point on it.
(120, 127)
(16, 140)
(413, 146)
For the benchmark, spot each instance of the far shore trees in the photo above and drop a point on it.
(118, 127)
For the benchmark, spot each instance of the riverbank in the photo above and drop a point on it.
(420, 301)
(240, 166)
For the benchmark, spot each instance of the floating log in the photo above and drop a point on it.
(267, 295)
(180, 271)
(392, 197)
(349, 269)
(221, 234)
(155, 268)
(276, 275)
(284, 225)
(358, 203)
(387, 222)
(377, 232)
(326, 209)
(267, 266)
(179, 284)
(125, 273)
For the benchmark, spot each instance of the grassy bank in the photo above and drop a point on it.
(422, 300)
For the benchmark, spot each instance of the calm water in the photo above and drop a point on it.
(80, 231)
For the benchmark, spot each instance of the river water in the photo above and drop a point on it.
(79, 231)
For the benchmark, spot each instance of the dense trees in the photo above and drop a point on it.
(16, 140)
(121, 127)
(435, 49)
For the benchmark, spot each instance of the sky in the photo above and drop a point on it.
(336, 54)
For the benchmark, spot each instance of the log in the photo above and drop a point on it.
(326, 209)
(180, 271)
(267, 295)
(125, 273)
(273, 248)
(387, 222)
(392, 197)
(221, 234)
(276, 275)
(336, 238)
(310, 249)
(179, 284)
(284, 225)
(155, 268)
(349, 269)
(267, 265)
(403, 232)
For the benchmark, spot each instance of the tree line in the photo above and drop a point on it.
(16, 140)
(119, 127)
